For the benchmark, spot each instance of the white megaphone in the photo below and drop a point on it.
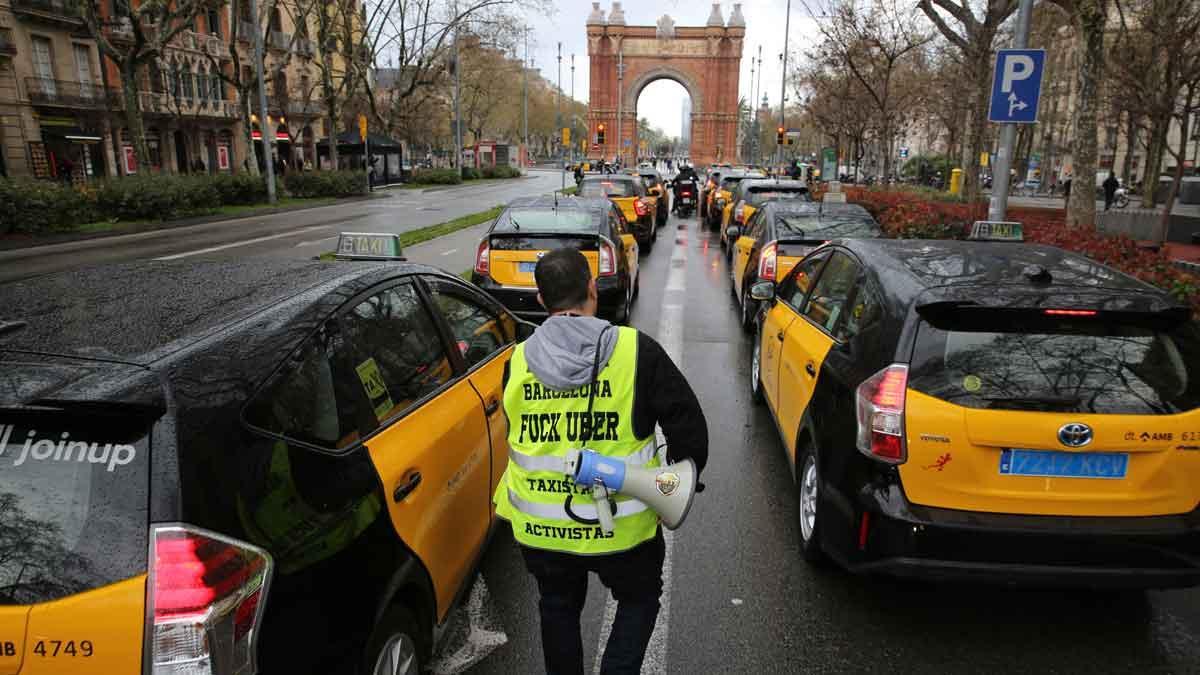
(668, 490)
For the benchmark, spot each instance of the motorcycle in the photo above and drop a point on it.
(1121, 198)
(685, 198)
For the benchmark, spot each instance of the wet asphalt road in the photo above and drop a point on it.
(742, 600)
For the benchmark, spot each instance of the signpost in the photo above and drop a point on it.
(1016, 89)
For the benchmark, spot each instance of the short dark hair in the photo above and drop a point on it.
(562, 278)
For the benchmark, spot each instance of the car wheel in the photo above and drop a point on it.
(395, 645)
(756, 386)
(749, 310)
(808, 504)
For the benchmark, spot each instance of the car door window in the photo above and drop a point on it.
(617, 221)
(827, 303)
(754, 231)
(396, 353)
(795, 287)
(478, 330)
(310, 398)
(865, 309)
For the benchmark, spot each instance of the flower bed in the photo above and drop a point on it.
(907, 214)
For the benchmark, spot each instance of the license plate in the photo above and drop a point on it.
(686, 200)
(1053, 464)
(526, 267)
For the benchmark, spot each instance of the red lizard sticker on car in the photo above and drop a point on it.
(940, 463)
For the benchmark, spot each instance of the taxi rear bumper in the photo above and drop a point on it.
(523, 302)
(909, 540)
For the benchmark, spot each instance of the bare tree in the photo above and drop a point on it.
(1088, 19)
(975, 37)
(131, 37)
(873, 39)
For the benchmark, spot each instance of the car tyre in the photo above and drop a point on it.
(395, 647)
(749, 311)
(808, 504)
(756, 385)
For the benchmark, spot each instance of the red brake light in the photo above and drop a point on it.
(207, 592)
(768, 261)
(639, 207)
(737, 212)
(880, 410)
(483, 258)
(608, 260)
(1069, 312)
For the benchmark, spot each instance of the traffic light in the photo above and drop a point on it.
(779, 136)
(600, 134)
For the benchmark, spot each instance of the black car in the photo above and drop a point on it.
(287, 464)
(530, 226)
(782, 232)
(985, 410)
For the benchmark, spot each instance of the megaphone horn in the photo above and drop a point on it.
(667, 490)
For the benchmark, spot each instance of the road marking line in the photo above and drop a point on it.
(670, 336)
(313, 241)
(453, 250)
(247, 242)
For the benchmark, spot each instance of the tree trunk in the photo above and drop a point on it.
(976, 127)
(248, 128)
(332, 135)
(1179, 160)
(133, 114)
(1157, 142)
(1131, 137)
(1089, 28)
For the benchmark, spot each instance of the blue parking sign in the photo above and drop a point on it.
(1016, 85)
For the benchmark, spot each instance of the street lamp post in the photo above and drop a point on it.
(787, 25)
(572, 107)
(558, 117)
(264, 121)
(458, 142)
(525, 98)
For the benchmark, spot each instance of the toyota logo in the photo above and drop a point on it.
(541, 254)
(1075, 435)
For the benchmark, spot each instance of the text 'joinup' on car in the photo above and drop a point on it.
(529, 227)
(228, 467)
(985, 410)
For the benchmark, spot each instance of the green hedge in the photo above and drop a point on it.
(326, 183)
(502, 171)
(157, 197)
(436, 177)
(470, 173)
(241, 188)
(31, 206)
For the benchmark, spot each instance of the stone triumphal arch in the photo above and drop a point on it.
(706, 60)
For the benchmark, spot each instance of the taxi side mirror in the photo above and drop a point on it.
(733, 232)
(763, 291)
(525, 330)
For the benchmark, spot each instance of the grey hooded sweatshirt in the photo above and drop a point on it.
(562, 351)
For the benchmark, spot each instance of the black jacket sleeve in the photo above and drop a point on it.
(663, 396)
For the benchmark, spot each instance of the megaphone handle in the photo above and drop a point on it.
(603, 507)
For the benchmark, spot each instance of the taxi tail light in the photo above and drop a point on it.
(205, 603)
(483, 258)
(607, 266)
(1069, 312)
(640, 208)
(768, 262)
(737, 212)
(880, 411)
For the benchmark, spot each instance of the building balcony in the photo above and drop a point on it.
(306, 109)
(61, 93)
(162, 103)
(56, 12)
(7, 45)
(279, 40)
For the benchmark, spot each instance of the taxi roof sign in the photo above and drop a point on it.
(996, 230)
(368, 246)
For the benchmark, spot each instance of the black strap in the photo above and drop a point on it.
(595, 378)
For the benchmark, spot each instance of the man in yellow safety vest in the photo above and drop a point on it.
(580, 382)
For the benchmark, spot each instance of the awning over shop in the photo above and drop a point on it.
(69, 133)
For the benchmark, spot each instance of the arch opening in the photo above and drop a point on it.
(663, 110)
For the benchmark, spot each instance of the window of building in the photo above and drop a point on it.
(213, 19)
(43, 58)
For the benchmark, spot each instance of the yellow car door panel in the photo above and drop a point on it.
(742, 251)
(99, 631)
(775, 325)
(429, 439)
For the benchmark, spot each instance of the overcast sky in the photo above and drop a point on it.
(660, 102)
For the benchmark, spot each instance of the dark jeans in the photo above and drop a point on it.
(635, 579)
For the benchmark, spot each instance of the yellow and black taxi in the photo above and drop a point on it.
(529, 227)
(779, 235)
(752, 193)
(239, 467)
(656, 186)
(629, 193)
(720, 199)
(712, 180)
(985, 410)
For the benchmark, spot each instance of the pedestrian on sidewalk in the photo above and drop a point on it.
(629, 379)
(1067, 192)
(1110, 189)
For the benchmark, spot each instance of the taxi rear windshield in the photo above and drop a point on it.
(826, 227)
(544, 220)
(73, 501)
(607, 188)
(1085, 366)
(761, 195)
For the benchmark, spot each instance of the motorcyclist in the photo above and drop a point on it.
(685, 176)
